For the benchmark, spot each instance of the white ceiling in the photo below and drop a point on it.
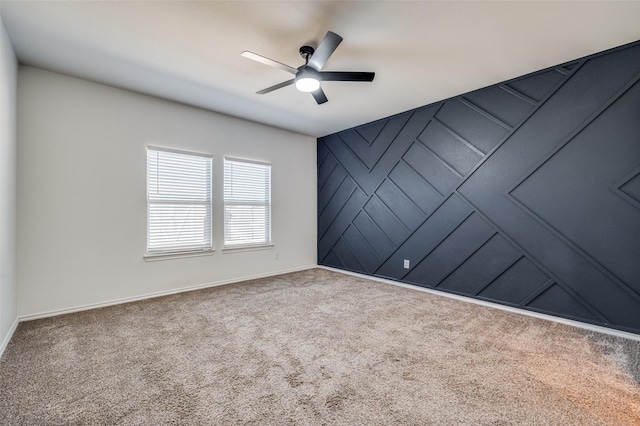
(421, 52)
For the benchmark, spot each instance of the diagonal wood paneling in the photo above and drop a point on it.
(525, 193)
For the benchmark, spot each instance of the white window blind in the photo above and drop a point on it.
(247, 203)
(178, 201)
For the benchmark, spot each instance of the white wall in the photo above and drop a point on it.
(8, 85)
(82, 199)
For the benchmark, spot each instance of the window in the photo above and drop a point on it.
(247, 203)
(178, 202)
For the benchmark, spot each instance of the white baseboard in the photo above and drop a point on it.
(8, 337)
(578, 324)
(156, 294)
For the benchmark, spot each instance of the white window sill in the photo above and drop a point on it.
(241, 248)
(154, 257)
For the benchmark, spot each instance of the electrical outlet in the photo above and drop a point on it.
(276, 255)
(406, 264)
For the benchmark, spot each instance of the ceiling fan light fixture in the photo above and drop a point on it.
(307, 84)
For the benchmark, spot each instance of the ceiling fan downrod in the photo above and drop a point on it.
(306, 52)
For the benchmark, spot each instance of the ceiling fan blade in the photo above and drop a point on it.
(270, 62)
(277, 86)
(319, 96)
(326, 47)
(346, 76)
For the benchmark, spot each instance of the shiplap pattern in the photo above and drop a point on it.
(526, 193)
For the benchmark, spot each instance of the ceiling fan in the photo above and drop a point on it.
(308, 76)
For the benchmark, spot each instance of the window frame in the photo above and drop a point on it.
(178, 251)
(268, 243)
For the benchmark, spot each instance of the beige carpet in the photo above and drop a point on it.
(309, 348)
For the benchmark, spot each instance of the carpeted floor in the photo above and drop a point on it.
(314, 347)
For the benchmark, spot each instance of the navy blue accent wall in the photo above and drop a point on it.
(526, 193)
